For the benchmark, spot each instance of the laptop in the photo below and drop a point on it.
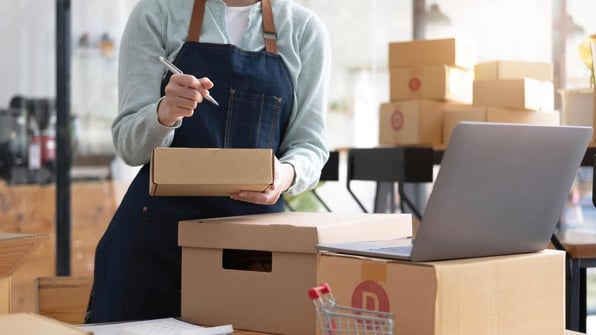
(500, 190)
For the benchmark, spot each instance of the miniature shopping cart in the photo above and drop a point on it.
(334, 319)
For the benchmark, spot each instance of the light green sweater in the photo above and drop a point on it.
(159, 28)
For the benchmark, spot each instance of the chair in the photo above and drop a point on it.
(386, 166)
(63, 298)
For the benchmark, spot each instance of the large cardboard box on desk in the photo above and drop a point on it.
(514, 294)
(507, 69)
(459, 52)
(412, 122)
(254, 271)
(526, 93)
(14, 248)
(437, 82)
(209, 171)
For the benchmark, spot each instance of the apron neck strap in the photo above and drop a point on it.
(196, 21)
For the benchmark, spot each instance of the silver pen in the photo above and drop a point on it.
(176, 70)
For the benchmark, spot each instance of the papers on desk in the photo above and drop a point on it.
(166, 326)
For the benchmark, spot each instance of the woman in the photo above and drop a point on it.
(267, 65)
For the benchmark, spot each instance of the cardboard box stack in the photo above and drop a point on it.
(510, 92)
(254, 271)
(425, 77)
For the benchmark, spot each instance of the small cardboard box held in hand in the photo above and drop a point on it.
(513, 294)
(254, 271)
(14, 248)
(209, 171)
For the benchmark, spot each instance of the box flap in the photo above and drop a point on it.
(291, 231)
(14, 248)
(33, 324)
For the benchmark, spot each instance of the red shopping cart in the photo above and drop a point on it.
(334, 319)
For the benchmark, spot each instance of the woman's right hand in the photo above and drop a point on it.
(183, 93)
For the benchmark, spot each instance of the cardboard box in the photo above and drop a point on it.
(254, 271)
(34, 324)
(437, 82)
(450, 51)
(451, 117)
(513, 294)
(414, 122)
(524, 93)
(209, 172)
(577, 107)
(505, 69)
(14, 249)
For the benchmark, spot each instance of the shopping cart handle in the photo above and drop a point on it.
(316, 292)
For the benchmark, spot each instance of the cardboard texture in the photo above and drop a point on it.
(527, 93)
(507, 69)
(577, 107)
(513, 294)
(450, 51)
(34, 324)
(209, 172)
(482, 114)
(438, 82)
(14, 248)
(414, 122)
(272, 297)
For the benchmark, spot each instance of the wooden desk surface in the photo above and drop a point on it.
(579, 240)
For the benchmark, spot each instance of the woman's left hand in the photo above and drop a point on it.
(282, 180)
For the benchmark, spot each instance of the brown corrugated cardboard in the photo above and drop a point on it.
(514, 295)
(481, 114)
(33, 324)
(413, 122)
(14, 248)
(450, 51)
(524, 93)
(507, 69)
(437, 82)
(263, 288)
(209, 171)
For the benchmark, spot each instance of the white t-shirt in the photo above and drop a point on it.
(237, 20)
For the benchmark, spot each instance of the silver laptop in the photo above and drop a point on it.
(500, 190)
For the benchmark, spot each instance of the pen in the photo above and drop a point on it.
(176, 70)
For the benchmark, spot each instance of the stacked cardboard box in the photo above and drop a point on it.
(425, 77)
(510, 92)
(512, 294)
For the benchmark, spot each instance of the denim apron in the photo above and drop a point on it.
(137, 261)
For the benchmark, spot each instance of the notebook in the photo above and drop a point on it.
(500, 190)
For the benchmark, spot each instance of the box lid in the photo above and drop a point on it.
(34, 324)
(209, 171)
(14, 248)
(291, 231)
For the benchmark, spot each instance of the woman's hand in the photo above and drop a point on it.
(282, 180)
(183, 93)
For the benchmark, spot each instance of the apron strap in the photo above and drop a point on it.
(196, 21)
(269, 34)
(269, 27)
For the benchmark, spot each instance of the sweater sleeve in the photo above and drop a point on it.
(136, 130)
(304, 145)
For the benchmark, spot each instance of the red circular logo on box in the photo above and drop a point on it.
(397, 120)
(370, 295)
(414, 84)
